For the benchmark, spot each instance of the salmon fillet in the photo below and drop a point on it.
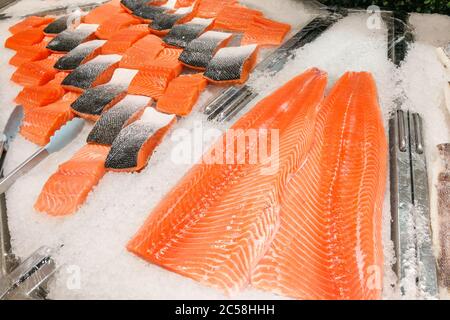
(27, 37)
(29, 23)
(40, 124)
(219, 221)
(122, 40)
(68, 188)
(102, 13)
(114, 24)
(31, 53)
(142, 53)
(329, 243)
(36, 73)
(211, 8)
(265, 32)
(235, 18)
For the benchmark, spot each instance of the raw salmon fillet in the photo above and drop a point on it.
(235, 18)
(38, 96)
(163, 22)
(70, 39)
(182, 94)
(102, 13)
(265, 32)
(219, 221)
(124, 39)
(329, 244)
(31, 53)
(68, 188)
(80, 55)
(142, 53)
(29, 23)
(27, 37)
(211, 8)
(36, 73)
(40, 124)
(114, 24)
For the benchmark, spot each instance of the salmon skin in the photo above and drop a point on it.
(329, 245)
(95, 100)
(57, 26)
(180, 35)
(265, 32)
(27, 37)
(29, 23)
(163, 22)
(36, 73)
(444, 216)
(97, 71)
(121, 41)
(148, 13)
(200, 51)
(81, 54)
(116, 23)
(102, 13)
(70, 39)
(218, 222)
(133, 146)
(182, 94)
(232, 64)
(68, 188)
(211, 8)
(142, 53)
(40, 124)
(111, 122)
(235, 18)
(132, 5)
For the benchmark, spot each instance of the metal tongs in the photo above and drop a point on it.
(410, 205)
(27, 280)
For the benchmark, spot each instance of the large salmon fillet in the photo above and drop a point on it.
(329, 243)
(219, 221)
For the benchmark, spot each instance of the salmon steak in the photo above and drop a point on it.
(80, 55)
(265, 32)
(124, 39)
(182, 34)
(329, 244)
(199, 52)
(114, 24)
(221, 218)
(235, 18)
(36, 73)
(136, 142)
(68, 188)
(211, 8)
(30, 23)
(102, 13)
(142, 53)
(232, 64)
(70, 39)
(40, 124)
(111, 122)
(182, 94)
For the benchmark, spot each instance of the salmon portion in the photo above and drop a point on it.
(211, 8)
(31, 53)
(68, 188)
(29, 23)
(142, 53)
(168, 58)
(27, 37)
(40, 124)
(114, 24)
(329, 245)
(265, 32)
(36, 73)
(236, 18)
(102, 13)
(38, 96)
(184, 3)
(182, 94)
(218, 222)
(151, 82)
(124, 39)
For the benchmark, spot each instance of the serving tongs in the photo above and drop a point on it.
(232, 100)
(410, 205)
(27, 280)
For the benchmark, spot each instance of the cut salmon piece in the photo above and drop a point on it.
(136, 142)
(27, 37)
(122, 40)
(218, 222)
(40, 124)
(70, 39)
(184, 3)
(181, 95)
(151, 82)
(29, 23)
(38, 96)
(36, 73)
(31, 53)
(200, 51)
(93, 73)
(236, 18)
(102, 13)
(114, 24)
(132, 5)
(181, 35)
(147, 13)
(329, 245)
(80, 55)
(265, 32)
(168, 58)
(142, 53)
(163, 22)
(68, 188)
(232, 65)
(211, 8)
(59, 25)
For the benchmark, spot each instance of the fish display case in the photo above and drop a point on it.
(216, 149)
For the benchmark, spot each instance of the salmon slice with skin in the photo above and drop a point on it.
(27, 37)
(102, 13)
(211, 8)
(69, 187)
(32, 97)
(36, 73)
(265, 32)
(40, 124)
(221, 218)
(29, 23)
(114, 24)
(236, 18)
(124, 39)
(142, 53)
(182, 94)
(329, 245)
